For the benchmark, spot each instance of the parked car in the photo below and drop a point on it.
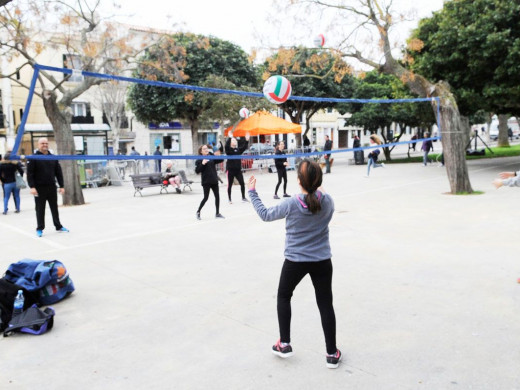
(259, 148)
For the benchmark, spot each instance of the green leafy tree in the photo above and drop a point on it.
(475, 46)
(375, 19)
(374, 116)
(312, 72)
(194, 60)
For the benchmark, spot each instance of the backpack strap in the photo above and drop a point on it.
(33, 321)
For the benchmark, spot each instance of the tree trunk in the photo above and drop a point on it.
(60, 120)
(503, 137)
(194, 124)
(453, 145)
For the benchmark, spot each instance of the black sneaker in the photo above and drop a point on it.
(219, 215)
(283, 352)
(198, 215)
(333, 360)
(286, 195)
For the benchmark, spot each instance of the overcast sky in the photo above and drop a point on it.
(239, 21)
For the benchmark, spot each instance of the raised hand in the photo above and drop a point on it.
(251, 183)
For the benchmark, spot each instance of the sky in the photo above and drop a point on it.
(244, 22)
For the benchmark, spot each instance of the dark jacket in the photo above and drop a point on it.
(207, 172)
(279, 161)
(235, 165)
(8, 170)
(427, 146)
(328, 146)
(374, 154)
(44, 173)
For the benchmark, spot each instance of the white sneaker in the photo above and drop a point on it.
(383, 165)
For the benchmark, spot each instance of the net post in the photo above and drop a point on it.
(21, 129)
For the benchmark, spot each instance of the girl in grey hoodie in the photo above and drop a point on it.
(307, 251)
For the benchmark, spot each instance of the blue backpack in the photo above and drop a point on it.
(47, 277)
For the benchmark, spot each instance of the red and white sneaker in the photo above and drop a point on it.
(283, 352)
(333, 360)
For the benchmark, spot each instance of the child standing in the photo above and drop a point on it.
(307, 251)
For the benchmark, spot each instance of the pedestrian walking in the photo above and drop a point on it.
(328, 146)
(8, 170)
(427, 145)
(157, 162)
(374, 155)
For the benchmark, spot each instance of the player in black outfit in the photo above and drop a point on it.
(234, 167)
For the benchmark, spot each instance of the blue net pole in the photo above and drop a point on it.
(21, 129)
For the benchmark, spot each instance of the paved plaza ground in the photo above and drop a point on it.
(425, 288)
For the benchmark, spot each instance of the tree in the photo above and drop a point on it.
(374, 116)
(376, 18)
(313, 72)
(190, 59)
(475, 46)
(91, 45)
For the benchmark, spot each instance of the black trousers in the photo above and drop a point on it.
(282, 174)
(214, 188)
(231, 177)
(47, 194)
(321, 276)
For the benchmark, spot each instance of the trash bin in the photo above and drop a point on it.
(359, 157)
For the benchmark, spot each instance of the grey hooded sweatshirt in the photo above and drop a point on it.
(307, 234)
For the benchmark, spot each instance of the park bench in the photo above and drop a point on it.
(146, 180)
(184, 180)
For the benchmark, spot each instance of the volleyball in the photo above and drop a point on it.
(319, 41)
(244, 113)
(277, 89)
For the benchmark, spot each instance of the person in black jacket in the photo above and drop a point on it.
(234, 167)
(281, 164)
(209, 179)
(8, 170)
(327, 146)
(41, 178)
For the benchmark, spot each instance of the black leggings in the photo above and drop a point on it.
(321, 276)
(282, 174)
(206, 188)
(231, 177)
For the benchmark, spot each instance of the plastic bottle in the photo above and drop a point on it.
(18, 303)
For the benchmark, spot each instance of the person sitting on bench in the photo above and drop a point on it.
(172, 177)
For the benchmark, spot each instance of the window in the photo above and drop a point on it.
(79, 109)
(73, 61)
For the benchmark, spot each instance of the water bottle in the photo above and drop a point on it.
(18, 303)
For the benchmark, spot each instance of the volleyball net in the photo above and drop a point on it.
(300, 154)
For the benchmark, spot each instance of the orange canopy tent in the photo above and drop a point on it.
(263, 123)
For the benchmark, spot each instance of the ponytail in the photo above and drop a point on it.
(310, 176)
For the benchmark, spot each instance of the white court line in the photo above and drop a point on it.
(33, 236)
(126, 236)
